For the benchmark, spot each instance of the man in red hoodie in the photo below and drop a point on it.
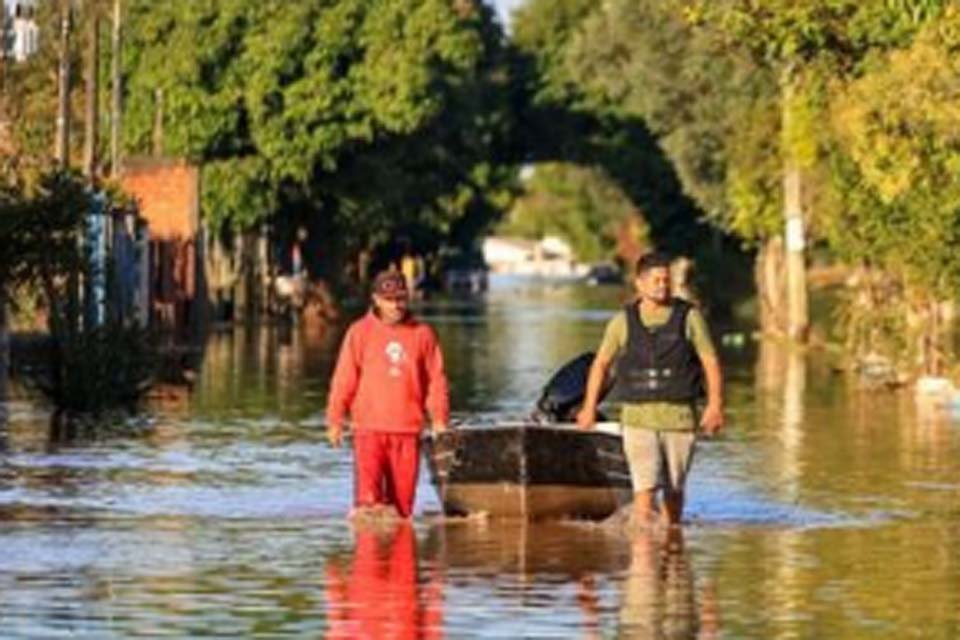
(389, 370)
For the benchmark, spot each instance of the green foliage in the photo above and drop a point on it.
(40, 216)
(241, 188)
(31, 94)
(369, 120)
(898, 128)
(543, 29)
(345, 107)
(714, 113)
(789, 32)
(567, 117)
(86, 369)
(97, 370)
(580, 204)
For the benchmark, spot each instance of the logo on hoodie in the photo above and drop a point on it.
(396, 355)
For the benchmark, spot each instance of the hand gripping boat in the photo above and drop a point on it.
(534, 468)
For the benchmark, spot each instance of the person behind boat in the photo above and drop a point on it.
(664, 347)
(390, 369)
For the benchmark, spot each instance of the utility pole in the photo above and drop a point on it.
(62, 150)
(116, 106)
(92, 128)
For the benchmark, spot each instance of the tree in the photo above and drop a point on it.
(357, 110)
(897, 154)
(580, 204)
(569, 116)
(799, 41)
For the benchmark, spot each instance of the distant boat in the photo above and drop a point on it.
(529, 470)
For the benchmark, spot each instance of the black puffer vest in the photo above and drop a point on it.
(660, 364)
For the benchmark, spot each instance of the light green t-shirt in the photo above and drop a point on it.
(665, 416)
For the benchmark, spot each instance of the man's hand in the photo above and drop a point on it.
(439, 427)
(712, 419)
(586, 418)
(334, 435)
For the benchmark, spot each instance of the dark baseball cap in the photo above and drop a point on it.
(391, 285)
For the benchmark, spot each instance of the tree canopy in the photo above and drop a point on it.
(372, 120)
(375, 114)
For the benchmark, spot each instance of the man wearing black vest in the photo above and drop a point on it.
(665, 352)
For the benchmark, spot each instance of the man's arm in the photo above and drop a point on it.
(712, 419)
(438, 389)
(697, 331)
(614, 337)
(587, 416)
(343, 387)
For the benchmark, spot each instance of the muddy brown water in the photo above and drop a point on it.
(825, 511)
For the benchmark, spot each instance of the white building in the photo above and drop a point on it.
(550, 257)
(501, 253)
(24, 35)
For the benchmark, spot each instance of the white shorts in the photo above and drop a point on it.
(658, 459)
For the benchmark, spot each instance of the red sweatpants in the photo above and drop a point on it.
(387, 465)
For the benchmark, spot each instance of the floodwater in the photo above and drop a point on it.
(826, 511)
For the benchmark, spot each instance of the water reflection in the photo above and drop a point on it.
(659, 599)
(781, 377)
(502, 349)
(825, 511)
(378, 594)
(524, 552)
(279, 371)
(573, 580)
(510, 578)
(4, 376)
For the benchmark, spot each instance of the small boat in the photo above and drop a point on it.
(528, 470)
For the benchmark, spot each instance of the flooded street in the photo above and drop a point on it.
(824, 512)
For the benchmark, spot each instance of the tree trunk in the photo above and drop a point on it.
(681, 279)
(363, 266)
(4, 360)
(264, 271)
(116, 106)
(3, 56)
(62, 149)
(4, 124)
(93, 100)
(929, 322)
(241, 290)
(769, 275)
(798, 320)
(158, 122)
(223, 271)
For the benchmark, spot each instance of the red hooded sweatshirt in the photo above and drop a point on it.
(385, 375)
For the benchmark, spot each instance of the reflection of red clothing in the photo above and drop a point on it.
(386, 466)
(385, 375)
(379, 598)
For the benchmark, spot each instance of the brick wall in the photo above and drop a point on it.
(168, 195)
